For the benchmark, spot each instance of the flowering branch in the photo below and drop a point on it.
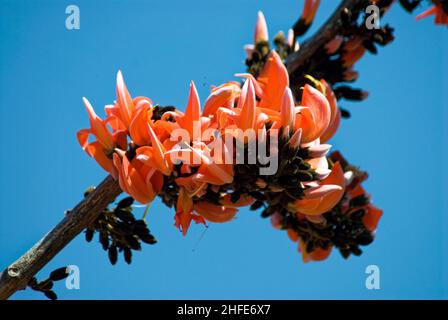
(315, 198)
(325, 34)
(17, 275)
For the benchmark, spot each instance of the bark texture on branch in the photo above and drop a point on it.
(17, 275)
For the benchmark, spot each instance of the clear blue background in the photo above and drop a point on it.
(399, 135)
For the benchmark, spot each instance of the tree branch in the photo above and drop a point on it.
(17, 275)
(327, 32)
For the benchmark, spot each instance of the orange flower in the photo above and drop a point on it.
(372, 217)
(124, 109)
(318, 254)
(138, 129)
(222, 96)
(315, 115)
(335, 112)
(192, 120)
(246, 115)
(155, 155)
(184, 212)
(140, 181)
(213, 170)
(287, 110)
(273, 80)
(247, 107)
(98, 128)
(215, 213)
(102, 149)
(243, 201)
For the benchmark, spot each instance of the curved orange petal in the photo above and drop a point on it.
(287, 112)
(319, 106)
(120, 139)
(113, 117)
(319, 254)
(184, 214)
(247, 103)
(124, 101)
(98, 127)
(96, 150)
(221, 97)
(83, 138)
(192, 114)
(132, 181)
(156, 181)
(159, 153)
(372, 217)
(293, 235)
(261, 29)
(212, 172)
(241, 202)
(334, 112)
(274, 79)
(138, 128)
(332, 128)
(323, 198)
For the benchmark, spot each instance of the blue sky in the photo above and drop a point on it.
(398, 135)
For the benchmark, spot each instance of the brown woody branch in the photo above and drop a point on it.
(17, 275)
(326, 33)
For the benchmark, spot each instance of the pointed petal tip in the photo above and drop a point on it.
(120, 79)
(89, 107)
(261, 28)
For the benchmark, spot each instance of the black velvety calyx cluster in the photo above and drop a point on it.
(119, 231)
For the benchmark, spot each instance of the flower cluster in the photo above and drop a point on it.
(346, 226)
(254, 143)
(335, 61)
